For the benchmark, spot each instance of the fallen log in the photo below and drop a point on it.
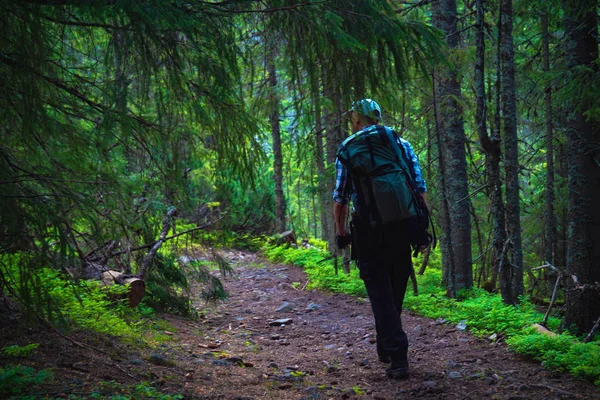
(96, 264)
(136, 286)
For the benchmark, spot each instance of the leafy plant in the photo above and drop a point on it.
(20, 351)
(18, 379)
(358, 390)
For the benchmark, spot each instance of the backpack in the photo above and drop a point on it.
(385, 190)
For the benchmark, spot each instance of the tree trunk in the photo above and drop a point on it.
(550, 216)
(280, 225)
(490, 145)
(322, 178)
(453, 148)
(333, 139)
(583, 257)
(563, 173)
(446, 248)
(514, 268)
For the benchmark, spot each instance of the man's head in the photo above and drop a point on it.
(363, 113)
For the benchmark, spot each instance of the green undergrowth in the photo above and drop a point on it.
(26, 383)
(84, 305)
(482, 312)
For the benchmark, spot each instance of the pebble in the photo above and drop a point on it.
(364, 362)
(491, 380)
(279, 322)
(275, 337)
(313, 307)
(462, 325)
(285, 307)
(274, 365)
(429, 384)
(454, 375)
(235, 360)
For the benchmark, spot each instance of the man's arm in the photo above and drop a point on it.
(340, 214)
(341, 197)
(415, 169)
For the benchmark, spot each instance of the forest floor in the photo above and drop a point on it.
(326, 351)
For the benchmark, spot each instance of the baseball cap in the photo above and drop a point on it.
(368, 108)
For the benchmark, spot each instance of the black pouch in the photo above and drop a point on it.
(354, 244)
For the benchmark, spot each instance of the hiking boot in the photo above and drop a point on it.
(397, 370)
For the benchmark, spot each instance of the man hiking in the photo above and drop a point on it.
(380, 172)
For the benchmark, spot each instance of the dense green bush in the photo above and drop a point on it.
(482, 312)
(16, 379)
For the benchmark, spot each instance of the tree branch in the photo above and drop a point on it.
(149, 245)
(163, 234)
(590, 335)
(89, 24)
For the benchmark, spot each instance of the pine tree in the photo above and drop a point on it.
(452, 148)
(583, 135)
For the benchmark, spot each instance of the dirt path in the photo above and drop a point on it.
(327, 350)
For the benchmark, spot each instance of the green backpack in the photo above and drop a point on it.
(384, 187)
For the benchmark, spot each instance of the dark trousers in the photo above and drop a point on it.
(384, 261)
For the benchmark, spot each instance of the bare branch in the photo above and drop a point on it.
(590, 335)
(163, 234)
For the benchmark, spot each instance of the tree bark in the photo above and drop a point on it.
(333, 139)
(280, 224)
(322, 177)
(453, 148)
(489, 144)
(514, 268)
(550, 216)
(583, 136)
(445, 244)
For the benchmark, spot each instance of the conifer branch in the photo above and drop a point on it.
(89, 24)
(270, 10)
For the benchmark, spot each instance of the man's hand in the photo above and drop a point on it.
(343, 241)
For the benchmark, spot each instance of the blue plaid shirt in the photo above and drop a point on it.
(344, 188)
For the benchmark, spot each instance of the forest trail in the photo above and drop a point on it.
(328, 349)
(326, 352)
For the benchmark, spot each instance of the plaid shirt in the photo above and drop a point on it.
(344, 187)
